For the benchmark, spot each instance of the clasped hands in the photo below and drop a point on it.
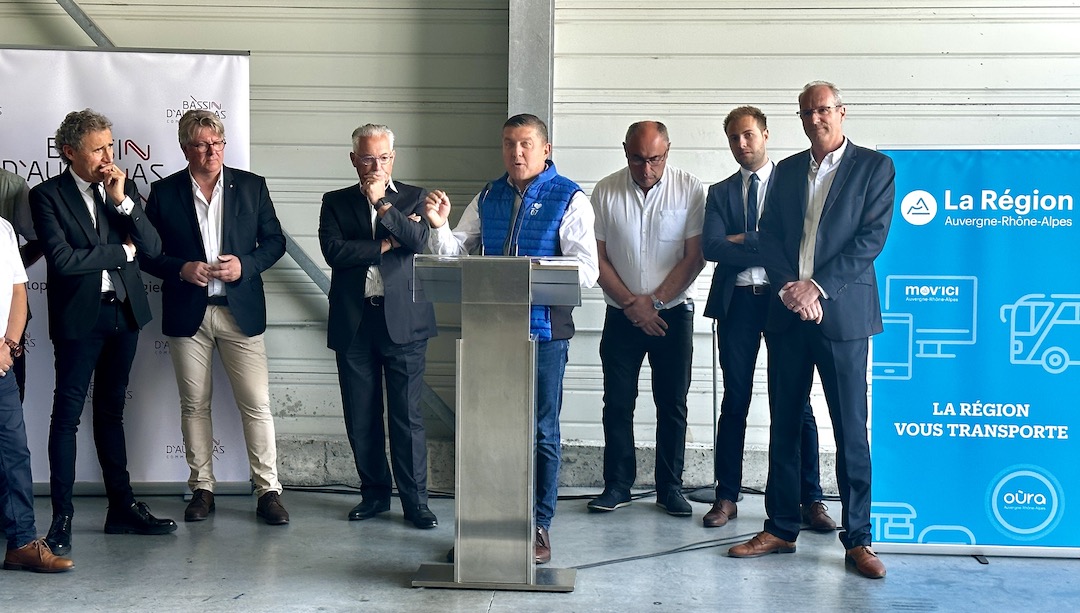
(803, 298)
(642, 314)
(226, 269)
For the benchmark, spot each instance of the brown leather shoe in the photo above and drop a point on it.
(271, 510)
(722, 511)
(36, 556)
(542, 547)
(816, 515)
(761, 544)
(865, 561)
(200, 507)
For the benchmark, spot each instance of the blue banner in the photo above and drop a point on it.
(975, 377)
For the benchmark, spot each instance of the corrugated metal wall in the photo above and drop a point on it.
(959, 72)
(938, 73)
(435, 72)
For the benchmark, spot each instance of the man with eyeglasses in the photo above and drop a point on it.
(825, 221)
(219, 233)
(92, 227)
(530, 210)
(739, 301)
(648, 237)
(369, 233)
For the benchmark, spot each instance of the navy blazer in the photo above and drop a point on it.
(249, 230)
(725, 214)
(345, 236)
(854, 224)
(75, 255)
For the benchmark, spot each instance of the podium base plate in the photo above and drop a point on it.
(547, 580)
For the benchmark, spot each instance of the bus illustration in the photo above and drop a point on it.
(1044, 330)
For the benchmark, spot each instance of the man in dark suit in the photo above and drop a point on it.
(825, 222)
(219, 233)
(91, 225)
(369, 233)
(739, 301)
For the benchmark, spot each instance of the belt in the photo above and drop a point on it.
(109, 298)
(757, 290)
(217, 300)
(375, 301)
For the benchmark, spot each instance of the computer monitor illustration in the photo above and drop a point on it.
(943, 310)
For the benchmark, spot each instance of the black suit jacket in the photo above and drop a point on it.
(76, 255)
(854, 223)
(249, 230)
(725, 214)
(345, 235)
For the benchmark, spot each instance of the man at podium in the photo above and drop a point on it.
(529, 211)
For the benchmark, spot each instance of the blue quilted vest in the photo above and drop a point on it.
(533, 231)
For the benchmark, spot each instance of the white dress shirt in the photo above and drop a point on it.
(819, 180)
(373, 286)
(124, 209)
(755, 275)
(11, 268)
(645, 233)
(209, 216)
(576, 237)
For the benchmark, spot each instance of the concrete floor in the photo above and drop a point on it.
(625, 560)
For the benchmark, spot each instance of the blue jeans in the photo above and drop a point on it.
(16, 482)
(551, 359)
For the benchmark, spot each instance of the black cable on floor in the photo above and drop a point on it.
(709, 544)
(344, 488)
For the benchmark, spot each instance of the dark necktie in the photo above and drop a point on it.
(752, 203)
(103, 234)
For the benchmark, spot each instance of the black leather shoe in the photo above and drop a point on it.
(422, 517)
(136, 519)
(609, 500)
(271, 510)
(200, 507)
(369, 507)
(59, 537)
(674, 503)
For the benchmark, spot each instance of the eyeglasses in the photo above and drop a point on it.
(217, 145)
(656, 160)
(820, 111)
(369, 160)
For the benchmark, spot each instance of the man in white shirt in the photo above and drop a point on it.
(530, 210)
(648, 236)
(25, 551)
(219, 232)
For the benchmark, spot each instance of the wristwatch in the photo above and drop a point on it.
(657, 303)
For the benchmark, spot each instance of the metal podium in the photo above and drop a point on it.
(495, 427)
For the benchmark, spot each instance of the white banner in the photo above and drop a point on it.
(144, 94)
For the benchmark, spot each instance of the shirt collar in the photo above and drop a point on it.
(220, 180)
(80, 183)
(763, 173)
(831, 159)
